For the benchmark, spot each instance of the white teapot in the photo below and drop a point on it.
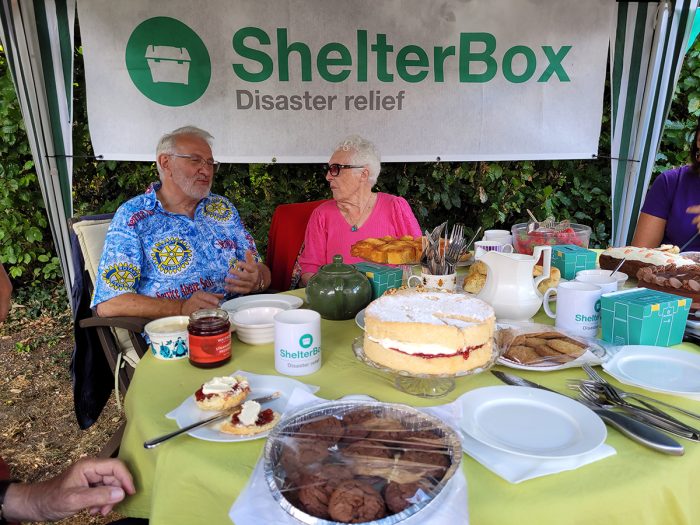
(510, 287)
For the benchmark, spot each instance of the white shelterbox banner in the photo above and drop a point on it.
(286, 80)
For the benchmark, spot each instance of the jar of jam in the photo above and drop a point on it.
(209, 338)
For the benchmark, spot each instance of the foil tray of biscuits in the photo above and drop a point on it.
(354, 461)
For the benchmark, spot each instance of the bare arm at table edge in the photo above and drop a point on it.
(649, 231)
(132, 304)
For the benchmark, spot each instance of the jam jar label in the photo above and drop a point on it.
(210, 348)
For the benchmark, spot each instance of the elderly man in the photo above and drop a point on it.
(177, 248)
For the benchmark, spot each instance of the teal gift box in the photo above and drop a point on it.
(641, 316)
(570, 259)
(381, 277)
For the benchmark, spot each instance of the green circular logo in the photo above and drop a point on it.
(597, 305)
(306, 340)
(168, 62)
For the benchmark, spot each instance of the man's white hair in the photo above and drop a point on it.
(167, 142)
(364, 152)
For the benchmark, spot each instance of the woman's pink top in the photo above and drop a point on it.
(328, 233)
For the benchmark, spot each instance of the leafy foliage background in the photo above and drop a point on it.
(494, 194)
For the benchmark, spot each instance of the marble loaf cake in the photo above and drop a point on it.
(429, 332)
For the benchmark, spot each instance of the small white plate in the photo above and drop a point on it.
(286, 302)
(188, 412)
(360, 319)
(657, 368)
(530, 422)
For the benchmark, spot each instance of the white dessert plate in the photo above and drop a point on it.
(188, 412)
(657, 368)
(360, 319)
(530, 422)
(286, 302)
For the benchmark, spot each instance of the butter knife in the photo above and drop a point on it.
(151, 443)
(635, 430)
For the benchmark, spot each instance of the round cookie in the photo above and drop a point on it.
(356, 502)
(426, 463)
(327, 429)
(353, 424)
(397, 495)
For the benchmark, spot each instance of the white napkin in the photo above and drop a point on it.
(286, 385)
(513, 467)
(256, 505)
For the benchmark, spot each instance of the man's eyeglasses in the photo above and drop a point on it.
(198, 161)
(334, 169)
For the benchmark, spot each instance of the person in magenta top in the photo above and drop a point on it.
(671, 211)
(356, 212)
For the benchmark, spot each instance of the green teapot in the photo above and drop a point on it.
(338, 291)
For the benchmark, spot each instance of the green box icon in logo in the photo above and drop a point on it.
(570, 259)
(643, 317)
(382, 278)
(168, 62)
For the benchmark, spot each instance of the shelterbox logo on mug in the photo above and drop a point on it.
(297, 342)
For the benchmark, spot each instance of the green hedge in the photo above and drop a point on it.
(476, 193)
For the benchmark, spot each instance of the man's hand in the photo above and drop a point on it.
(201, 300)
(94, 484)
(245, 277)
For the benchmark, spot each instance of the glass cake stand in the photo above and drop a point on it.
(421, 385)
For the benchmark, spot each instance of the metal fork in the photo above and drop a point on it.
(619, 394)
(655, 418)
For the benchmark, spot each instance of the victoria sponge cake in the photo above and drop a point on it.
(429, 332)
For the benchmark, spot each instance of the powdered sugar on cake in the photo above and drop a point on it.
(430, 307)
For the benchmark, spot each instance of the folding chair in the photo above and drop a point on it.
(284, 241)
(107, 348)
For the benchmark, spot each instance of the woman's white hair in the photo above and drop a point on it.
(364, 152)
(167, 142)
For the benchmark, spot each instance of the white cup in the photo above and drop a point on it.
(481, 247)
(438, 282)
(607, 283)
(578, 307)
(297, 342)
(503, 236)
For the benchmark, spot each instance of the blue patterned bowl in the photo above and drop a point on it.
(168, 337)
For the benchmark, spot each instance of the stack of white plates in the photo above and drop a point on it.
(255, 326)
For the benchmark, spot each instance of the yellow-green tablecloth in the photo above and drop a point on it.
(186, 480)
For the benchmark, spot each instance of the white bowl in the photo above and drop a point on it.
(255, 326)
(621, 277)
(168, 337)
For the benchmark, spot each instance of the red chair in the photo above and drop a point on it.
(284, 241)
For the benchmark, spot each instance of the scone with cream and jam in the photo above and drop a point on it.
(220, 393)
(429, 332)
(251, 420)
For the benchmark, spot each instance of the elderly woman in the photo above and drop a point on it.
(671, 211)
(356, 212)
